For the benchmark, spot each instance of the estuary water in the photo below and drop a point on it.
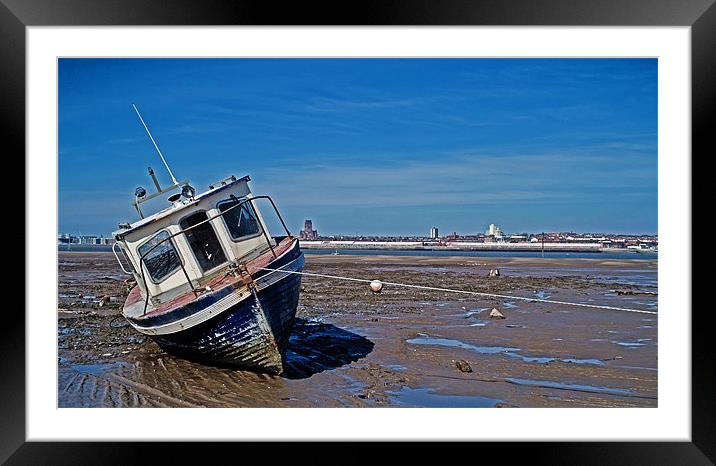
(547, 255)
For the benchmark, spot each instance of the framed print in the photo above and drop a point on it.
(437, 209)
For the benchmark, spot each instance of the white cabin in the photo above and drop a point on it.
(180, 253)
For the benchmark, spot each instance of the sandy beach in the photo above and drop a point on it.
(403, 347)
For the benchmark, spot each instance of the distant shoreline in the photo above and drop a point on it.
(602, 254)
(468, 246)
(473, 247)
(486, 247)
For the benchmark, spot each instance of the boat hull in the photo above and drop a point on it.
(252, 334)
(244, 325)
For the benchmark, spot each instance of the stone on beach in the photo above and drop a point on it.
(494, 273)
(463, 366)
(494, 313)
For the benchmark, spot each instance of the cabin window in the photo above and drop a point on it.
(240, 221)
(163, 260)
(126, 258)
(203, 241)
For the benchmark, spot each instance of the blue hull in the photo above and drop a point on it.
(252, 334)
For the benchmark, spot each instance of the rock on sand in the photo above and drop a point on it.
(463, 366)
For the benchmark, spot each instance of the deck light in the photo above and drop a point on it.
(187, 191)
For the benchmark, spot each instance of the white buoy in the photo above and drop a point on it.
(376, 286)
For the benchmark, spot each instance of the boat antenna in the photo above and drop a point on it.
(155, 145)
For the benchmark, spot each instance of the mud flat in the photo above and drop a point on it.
(399, 348)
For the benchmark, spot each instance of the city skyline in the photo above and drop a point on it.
(439, 233)
(371, 146)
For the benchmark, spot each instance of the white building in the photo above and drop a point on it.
(434, 232)
(494, 230)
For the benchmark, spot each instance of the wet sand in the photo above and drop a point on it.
(399, 348)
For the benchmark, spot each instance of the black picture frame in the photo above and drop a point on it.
(16, 15)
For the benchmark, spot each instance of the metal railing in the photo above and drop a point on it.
(143, 264)
(114, 245)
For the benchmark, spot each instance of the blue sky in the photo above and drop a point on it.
(370, 146)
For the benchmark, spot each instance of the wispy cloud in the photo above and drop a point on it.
(467, 179)
(323, 104)
(131, 140)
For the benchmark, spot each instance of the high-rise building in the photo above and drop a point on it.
(308, 232)
(494, 230)
(434, 232)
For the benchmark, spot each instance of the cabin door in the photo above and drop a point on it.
(203, 241)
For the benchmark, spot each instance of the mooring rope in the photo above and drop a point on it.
(478, 293)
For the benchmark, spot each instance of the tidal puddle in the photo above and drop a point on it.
(570, 386)
(595, 362)
(426, 340)
(638, 368)
(541, 360)
(64, 331)
(426, 398)
(469, 313)
(353, 386)
(423, 339)
(395, 367)
(92, 369)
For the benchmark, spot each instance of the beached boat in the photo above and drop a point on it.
(203, 289)
(212, 284)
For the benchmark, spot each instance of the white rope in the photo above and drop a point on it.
(493, 295)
